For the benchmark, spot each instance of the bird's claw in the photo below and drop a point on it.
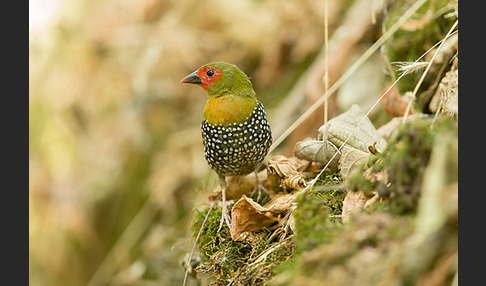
(225, 218)
(258, 189)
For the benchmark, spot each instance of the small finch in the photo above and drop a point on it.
(235, 131)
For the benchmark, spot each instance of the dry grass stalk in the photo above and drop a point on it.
(410, 67)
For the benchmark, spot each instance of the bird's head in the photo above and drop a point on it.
(220, 78)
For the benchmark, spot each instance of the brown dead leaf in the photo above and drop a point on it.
(446, 95)
(249, 216)
(445, 54)
(310, 149)
(373, 200)
(280, 203)
(295, 181)
(281, 166)
(352, 203)
(375, 177)
(394, 104)
(282, 173)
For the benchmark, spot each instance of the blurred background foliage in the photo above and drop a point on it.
(116, 162)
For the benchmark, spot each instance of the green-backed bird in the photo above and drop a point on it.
(235, 131)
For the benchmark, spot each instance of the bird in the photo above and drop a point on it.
(235, 131)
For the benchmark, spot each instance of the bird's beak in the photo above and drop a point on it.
(192, 78)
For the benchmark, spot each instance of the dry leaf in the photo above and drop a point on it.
(375, 177)
(310, 149)
(333, 134)
(249, 216)
(345, 124)
(282, 173)
(280, 203)
(317, 150)
(350, 161)
(447, 93)
(375, 198)
(394, 103)
(291, 223)
(281, 166)
(446, 53)
(295, 181)
(352, 203)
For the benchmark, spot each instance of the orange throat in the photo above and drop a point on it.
(227, 109)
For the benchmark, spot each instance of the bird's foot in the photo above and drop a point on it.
(225, 217)
(258, 191)
(224, 213)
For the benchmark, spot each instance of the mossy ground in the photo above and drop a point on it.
(318, 213)
(376, 247)
(226, 261)
(319, 239)
(231, 262)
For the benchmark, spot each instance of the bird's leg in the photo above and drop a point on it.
(259, 187)
(225, 215)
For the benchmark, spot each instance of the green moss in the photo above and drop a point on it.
(227, 260)
(331, 198)
(379, 206)
(405, 160)
(317, 214)
(311, 218)
(357, 182)
(218, 253)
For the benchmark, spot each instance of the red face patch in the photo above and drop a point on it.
(208, 75)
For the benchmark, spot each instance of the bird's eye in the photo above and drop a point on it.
(210, 73)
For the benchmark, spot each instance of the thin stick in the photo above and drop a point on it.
(197, 238)
(260, 257)
(269, 250)
(326, 59)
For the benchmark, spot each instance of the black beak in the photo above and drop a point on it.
(192, 78)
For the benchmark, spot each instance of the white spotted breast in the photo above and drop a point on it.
(237, 148)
